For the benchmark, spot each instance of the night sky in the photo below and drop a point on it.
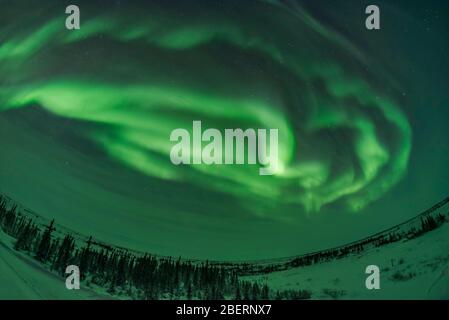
(86, 116)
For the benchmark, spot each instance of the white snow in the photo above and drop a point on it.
(25, 279)
(410, 269)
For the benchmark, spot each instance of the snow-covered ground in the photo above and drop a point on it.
(23, 278)
(410, 269)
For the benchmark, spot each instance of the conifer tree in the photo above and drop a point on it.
(44, 245)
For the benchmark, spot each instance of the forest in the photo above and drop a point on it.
(146, 276)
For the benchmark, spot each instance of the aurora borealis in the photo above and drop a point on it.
(90, 112)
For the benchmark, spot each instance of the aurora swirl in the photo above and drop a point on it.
(343, 139)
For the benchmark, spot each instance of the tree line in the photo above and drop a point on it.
(419, 225)
(124, 273)
(146, 276)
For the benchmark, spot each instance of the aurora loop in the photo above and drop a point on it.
(139, 74)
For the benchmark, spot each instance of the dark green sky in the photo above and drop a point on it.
(362, 117)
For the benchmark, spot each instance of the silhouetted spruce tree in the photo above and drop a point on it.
(9, 220)
(219, 293)
(53, 250)
(85, 258)
(44, 245)
(120, 276)
(246, 289)
(24, 239)
(189, 291)
(238, 295)
(255, 291)
(63, 254)
(265, 295)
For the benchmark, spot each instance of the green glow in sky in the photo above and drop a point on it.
(342, 137)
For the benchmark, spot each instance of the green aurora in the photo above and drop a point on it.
(115, 89)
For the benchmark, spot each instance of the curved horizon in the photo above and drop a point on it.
(86, 117)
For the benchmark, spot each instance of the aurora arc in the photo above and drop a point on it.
(342, 138)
